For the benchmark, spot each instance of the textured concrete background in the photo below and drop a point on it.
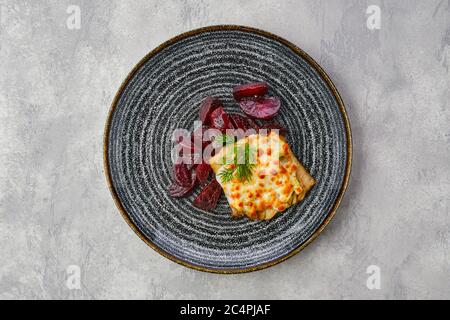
(55, 91)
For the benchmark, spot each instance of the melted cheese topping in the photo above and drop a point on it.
(274, 185)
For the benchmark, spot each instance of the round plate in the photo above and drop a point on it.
(163, 93)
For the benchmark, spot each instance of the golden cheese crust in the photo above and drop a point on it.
(278, 179)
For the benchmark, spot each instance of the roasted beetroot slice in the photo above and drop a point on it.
(207, 107)
(209, 196)
(270, 126)
(250, 90)
(240, 122)
(202, 171)
(179, 191)
(220, 120)
(194, 159)
(264, 108)
(182, 175)
(198, 135)
(187, 145)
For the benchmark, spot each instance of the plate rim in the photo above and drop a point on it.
(297, 51)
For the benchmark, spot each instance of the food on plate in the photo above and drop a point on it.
(250, 90)
(269, 181)
(255, 103)
(207, 107)
(261, 108)
(202, 172)
(182, 174)
(209, 196)
(179, 191)
(243, 123)
(251, 160)
(220, 120)
(197, 137)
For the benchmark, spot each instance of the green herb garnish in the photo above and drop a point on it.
(226, 175)
(242, 166)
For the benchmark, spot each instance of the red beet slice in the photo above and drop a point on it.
(198, 135)
(177, 191)
(209, 196)
(240, 122)
(193, 160)
(282, 130)
(187, 145)
(220, 120)
(202, 171)
(261, 108)
(182, 175)
(250, 90)
(207, 107)
(187, 151)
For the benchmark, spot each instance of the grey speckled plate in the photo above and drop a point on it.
(163, 92)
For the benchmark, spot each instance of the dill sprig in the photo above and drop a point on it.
(244, 172)
(242, 167)
(226, 174)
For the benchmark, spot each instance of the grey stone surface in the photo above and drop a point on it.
(56, 86)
